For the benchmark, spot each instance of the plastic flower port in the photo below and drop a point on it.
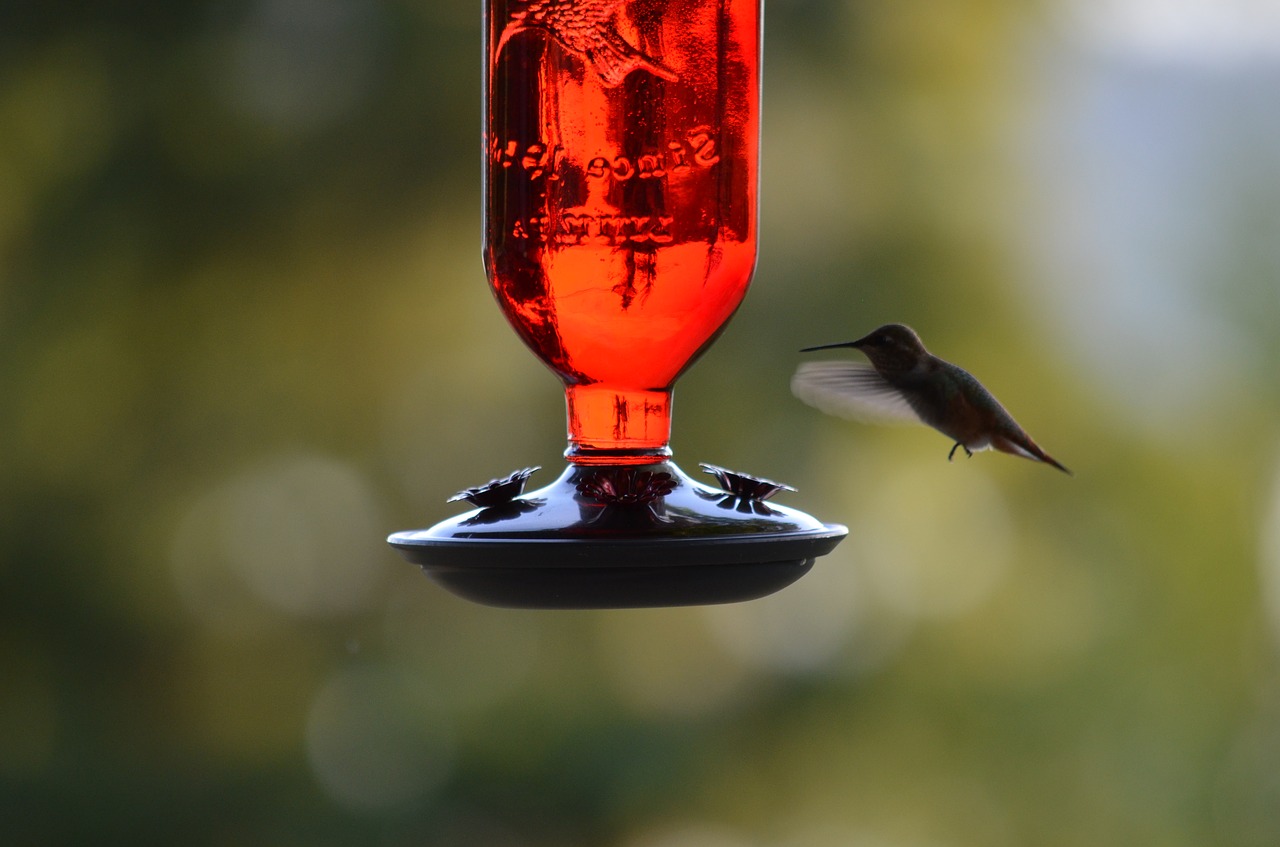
(627, 487)
(744, 485)
(625, 499)
(505, 511)
(496, 492)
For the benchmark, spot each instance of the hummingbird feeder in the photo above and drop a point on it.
(621, 159)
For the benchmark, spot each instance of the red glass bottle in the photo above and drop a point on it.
(621, 166)
(621, 145)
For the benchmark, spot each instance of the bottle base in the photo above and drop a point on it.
(620, 536)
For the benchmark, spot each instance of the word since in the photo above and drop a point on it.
(696, 150)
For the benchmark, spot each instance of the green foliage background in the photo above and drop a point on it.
(245, 333)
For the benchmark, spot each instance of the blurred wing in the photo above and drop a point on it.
(851, 390)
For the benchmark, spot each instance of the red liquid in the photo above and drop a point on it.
(621, 156)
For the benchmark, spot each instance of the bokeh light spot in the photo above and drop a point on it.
(296, 65)
(297, 534)
(821, 622)
(936, 539)
(368, 744)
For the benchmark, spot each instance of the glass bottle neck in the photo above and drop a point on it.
(611, 426)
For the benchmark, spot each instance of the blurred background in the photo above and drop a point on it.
(245, 333)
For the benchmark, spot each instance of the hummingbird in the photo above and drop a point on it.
(584, 28)
(906, 382)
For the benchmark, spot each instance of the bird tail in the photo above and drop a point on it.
(1028, 449)
(613, 58)
(1049, 460)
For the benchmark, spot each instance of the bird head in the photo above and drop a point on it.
(893, 347)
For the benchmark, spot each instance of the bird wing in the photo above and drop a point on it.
(851, 390)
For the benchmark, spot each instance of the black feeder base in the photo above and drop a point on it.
(612, 537)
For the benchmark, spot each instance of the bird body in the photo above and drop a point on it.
(585, 28)
(906, 382)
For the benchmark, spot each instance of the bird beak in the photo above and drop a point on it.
(830, 346)
(863, 340)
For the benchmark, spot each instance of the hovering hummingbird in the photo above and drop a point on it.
(906, 382)
(584, 28)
